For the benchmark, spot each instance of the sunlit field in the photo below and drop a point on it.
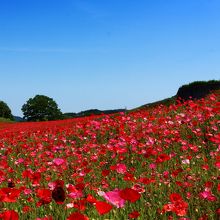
(157, 163)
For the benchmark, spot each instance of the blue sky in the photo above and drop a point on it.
(105, 54)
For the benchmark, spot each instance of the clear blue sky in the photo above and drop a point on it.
(105, 54)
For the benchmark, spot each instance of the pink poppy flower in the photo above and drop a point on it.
(113, 197)
(58, 161)
(121, 168)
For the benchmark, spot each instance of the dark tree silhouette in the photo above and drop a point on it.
(41, 108)
(5, 111)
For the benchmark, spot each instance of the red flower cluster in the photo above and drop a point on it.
(9, 215)
(9, 194)
(130, 195)
(177, 205)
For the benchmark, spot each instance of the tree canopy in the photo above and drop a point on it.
(41, 108)
(198, 89)
(5, 111)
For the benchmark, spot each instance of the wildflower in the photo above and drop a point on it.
(27, 191)
(130, 195)
(152, 166)
(121, 168)
(35, 178)
(59, 195)
(58, 161)
(162, 158)
(26, 209)
(44, 195)
(207, 194)
(175, 197)
(77, 216)
(134, 214)
(113, 197)
(9, 194)
(74, 193)
(177, 205)
(103, 207)
(9, 215)
(105, 172)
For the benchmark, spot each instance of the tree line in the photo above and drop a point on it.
(39, 108)
(44, 108)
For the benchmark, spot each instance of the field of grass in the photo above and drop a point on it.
(155, 163)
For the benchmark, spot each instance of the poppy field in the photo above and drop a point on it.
(155, 163)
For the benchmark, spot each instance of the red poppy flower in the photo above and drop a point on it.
(175, 197)
(91, 199)
(103, 207)
(105, 172)
(177, 205)
(9, 194)
(177, 171)
(134, 214)
(9, 215)
(180, 208)
(80, 204)
(44, 195)
(130, 195)
(27, 174)
(80, 186)
(26, 209)
(35, 178)
(162, 157)
(59, 195)
(218, 188)
(77, 216)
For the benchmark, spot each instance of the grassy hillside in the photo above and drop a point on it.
(196, 90)
(5, 120)
(165, 102)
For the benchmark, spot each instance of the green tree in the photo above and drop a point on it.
(41, 108)
(5, 111)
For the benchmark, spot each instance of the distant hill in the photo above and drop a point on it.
(18, 118)
(166, 102)
(92, 112)
(194, 90)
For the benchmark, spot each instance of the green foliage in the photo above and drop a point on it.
(5, 111)
(201, 83)
(197, 89)
(5, 120)
(41, 108)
